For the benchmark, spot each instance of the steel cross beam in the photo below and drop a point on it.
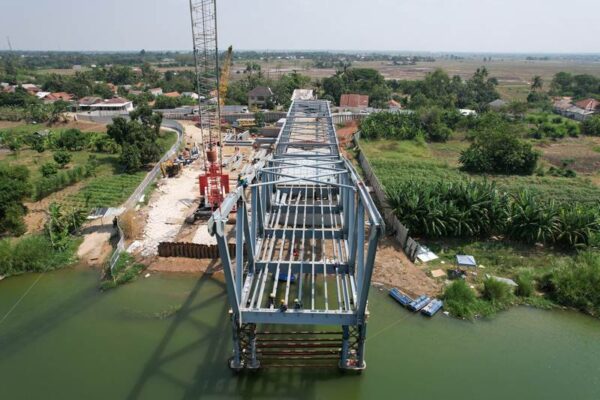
(310, 222)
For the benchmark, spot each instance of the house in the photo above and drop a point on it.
(136, 92)
(42, 95)
(64, 96)
(190, 94)
(172, 94)
(303, 94)
(114, 106)
(588, 105)
(259, 97)
(350, 100)
(497, 104)
(562, 104)
(136, 70)
(156, 92)
(85, 103)
(578, 114)
(31, 88)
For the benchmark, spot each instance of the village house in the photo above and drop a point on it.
(580, 111)
(114, 106)
(172, 94)
(85, 103)
(259, 97)
(156, 92)
(190, 94)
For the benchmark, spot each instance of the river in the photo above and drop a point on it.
(168, 337)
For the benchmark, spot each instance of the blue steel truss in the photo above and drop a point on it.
(305, 252)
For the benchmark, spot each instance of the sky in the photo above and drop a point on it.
(495, 26)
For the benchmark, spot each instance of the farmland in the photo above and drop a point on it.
(107, 186)
(399, 161)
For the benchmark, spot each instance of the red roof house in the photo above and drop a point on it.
(588, 104)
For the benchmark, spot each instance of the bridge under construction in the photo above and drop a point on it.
(306, 233)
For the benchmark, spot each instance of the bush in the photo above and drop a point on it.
(48, 169)
(525, 288)
(14, 188)
(33, 254)
(576, 283)
(496, 150)
(499, 294)
(591, 126)
(71, 139)
(62, 158)
(461, 301)
(386, 125)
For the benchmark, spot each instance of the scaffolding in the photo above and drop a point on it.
(304, 253)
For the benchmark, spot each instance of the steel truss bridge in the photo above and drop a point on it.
(306, 240)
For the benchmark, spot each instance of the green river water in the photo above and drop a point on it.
(60, 338)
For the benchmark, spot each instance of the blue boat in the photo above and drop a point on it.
(400, 297)
(283, 277)
(432, 308)
(419, 303)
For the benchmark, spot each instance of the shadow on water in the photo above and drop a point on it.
(212, 377)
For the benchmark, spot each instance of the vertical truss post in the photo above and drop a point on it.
(248, 237)
(345, 347)
(360, 346)
(232, 292)
(253, 362)
(235, 362)
(239, 245)
(360, 244)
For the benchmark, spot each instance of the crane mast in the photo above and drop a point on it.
(206, 59)
(213, 184)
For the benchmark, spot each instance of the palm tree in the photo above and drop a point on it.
(537, 83)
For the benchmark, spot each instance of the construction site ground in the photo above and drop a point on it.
(174, 199)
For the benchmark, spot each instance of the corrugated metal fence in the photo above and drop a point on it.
(400, 232)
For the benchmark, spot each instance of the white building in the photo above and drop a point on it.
(156, 92)
(114, 106)
(190, 94)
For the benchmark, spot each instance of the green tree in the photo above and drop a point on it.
(591, 126)
(130, 158)
(497, 149)
(48, 169)
(537, 83)
(14, 188)
(259, 119)
(62, 158)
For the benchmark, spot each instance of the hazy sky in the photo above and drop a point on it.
(402, 25)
